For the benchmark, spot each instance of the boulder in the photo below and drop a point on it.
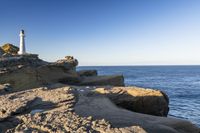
(10, 48)
(87, 73)
(114, 80)
(147, 101)
(67, 62)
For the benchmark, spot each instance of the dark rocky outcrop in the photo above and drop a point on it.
(114, 80)
(28, 71)
(52, 73)
(68, 62)
(31, 60)
(31, 77)
(87, 73)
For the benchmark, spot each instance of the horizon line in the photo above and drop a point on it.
(138, 65)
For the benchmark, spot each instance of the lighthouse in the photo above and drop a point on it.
(22, 49)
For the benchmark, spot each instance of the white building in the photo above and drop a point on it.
(22, 48)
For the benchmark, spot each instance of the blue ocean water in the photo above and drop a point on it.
(180, 83)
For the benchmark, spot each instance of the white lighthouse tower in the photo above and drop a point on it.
(22, 49)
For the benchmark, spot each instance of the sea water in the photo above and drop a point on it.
(180, 83)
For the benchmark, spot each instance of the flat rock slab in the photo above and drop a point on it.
(41, 98)
(114, 80)
(45, 110)
(87, 73)
(62, 109)
(100, 106)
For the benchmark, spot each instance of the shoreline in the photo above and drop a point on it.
(180, 84)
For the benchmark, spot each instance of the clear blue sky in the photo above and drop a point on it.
(106, 32)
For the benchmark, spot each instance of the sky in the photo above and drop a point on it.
(106, 32)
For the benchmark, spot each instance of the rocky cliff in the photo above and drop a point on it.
(28, 71)
(40, 96)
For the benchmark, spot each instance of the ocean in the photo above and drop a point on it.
(180, 83)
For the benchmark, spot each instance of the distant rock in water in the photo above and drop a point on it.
(113, 80)
(10, 48)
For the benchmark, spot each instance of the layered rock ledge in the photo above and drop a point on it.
(147, 101)
(28, 71)
(61, 108)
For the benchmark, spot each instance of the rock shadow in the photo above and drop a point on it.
(8, 123)
(36, 104)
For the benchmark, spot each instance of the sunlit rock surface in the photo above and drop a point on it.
(61, 108)
(147, 101)
(10, 49)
